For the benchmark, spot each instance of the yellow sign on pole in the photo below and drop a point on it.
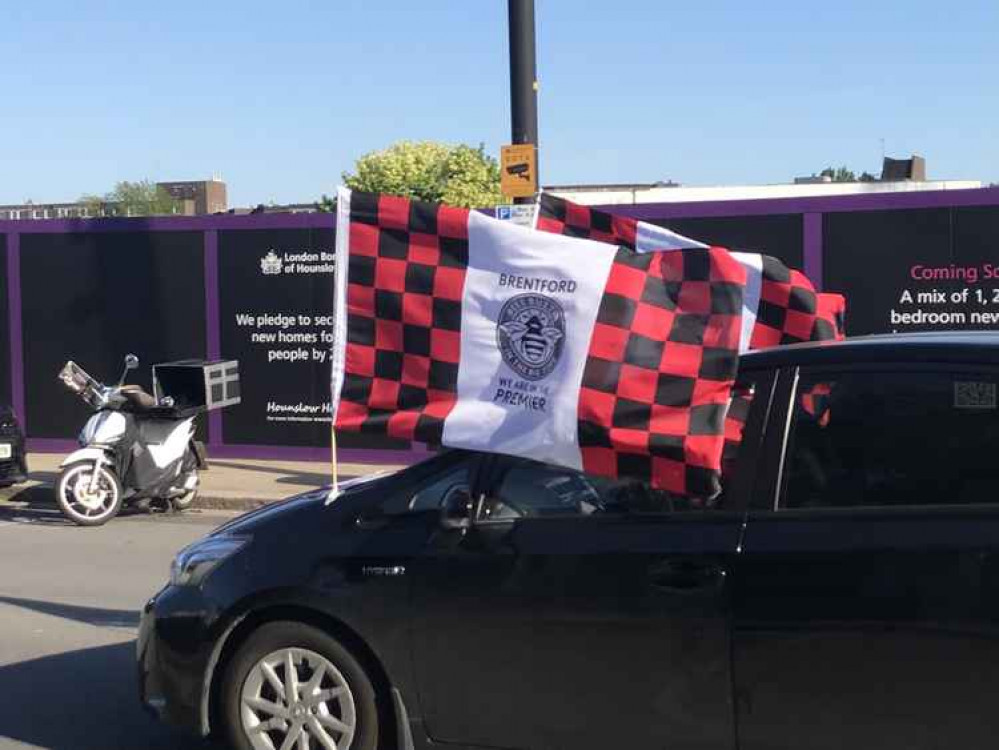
(518, 170)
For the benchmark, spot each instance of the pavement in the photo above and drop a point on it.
(228, 484)
(70, 600)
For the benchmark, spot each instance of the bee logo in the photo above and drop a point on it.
(530, 334)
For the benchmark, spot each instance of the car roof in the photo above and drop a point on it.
(936, 346)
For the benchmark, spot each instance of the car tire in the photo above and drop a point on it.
(255, 692)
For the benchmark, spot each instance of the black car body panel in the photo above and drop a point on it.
(875, 630)
(13, 467)
(770, 621)
(551, 631)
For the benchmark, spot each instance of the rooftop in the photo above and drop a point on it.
(658, 193)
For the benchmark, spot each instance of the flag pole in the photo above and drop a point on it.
(338, 347)
(333, 459)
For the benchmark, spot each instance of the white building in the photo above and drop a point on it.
(593, 195)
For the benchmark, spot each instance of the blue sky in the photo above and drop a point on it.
(281, 97)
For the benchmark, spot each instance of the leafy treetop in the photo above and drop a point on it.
(842, 174)
(457, 175)
(142, 198)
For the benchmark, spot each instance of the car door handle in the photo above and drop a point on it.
(684, 577)
(372, 523)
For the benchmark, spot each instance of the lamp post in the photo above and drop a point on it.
(523, 78)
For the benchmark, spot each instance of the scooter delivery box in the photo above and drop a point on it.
(197, 384)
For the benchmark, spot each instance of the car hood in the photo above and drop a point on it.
(306, 502)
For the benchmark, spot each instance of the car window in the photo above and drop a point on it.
(531, 489)
(432, 495)
(891, 439)
(743, 398)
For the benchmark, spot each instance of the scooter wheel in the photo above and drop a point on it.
(183, 502)
(79, 504)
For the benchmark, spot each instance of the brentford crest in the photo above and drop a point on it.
(530, 334)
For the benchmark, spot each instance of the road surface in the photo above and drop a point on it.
(69, 607)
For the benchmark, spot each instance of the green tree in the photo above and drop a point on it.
(458, 175)
(326, 205)
(142, 198)
(840, 174)
(95, 204)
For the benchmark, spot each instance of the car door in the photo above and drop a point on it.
(866, 597)
(577, 613)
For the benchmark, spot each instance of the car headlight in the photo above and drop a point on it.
(193, 564)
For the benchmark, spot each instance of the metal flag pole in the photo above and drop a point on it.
(334, 491)
(339, 326)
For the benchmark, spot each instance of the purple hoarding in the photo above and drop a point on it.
(258, 288)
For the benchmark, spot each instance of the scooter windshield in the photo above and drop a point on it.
(77, 380)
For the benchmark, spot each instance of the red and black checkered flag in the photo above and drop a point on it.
(781, 305)
(785, 306)
(660, 370)
(401, 342)
(735, 425)
(786, 310)
(791, 311)
(830, 319)
(815, 401)
(830, 325)
(458, 329)
(564, 217)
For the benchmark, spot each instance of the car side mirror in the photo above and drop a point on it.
(457, 508)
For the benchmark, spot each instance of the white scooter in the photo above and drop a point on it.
(134, 448)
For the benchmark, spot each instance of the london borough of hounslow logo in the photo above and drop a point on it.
(530, 334)
(270, 264)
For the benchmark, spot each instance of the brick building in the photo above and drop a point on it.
(205, 196)
(196, 198)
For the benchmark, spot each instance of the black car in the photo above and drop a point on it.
(842, 592)
(13, 463)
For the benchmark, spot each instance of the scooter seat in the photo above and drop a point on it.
(138, 398)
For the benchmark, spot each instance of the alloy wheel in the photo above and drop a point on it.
(296, 699)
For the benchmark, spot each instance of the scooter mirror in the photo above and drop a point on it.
(131, 362)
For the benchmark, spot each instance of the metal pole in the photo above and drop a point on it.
(523, 78)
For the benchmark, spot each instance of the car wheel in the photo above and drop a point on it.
(291, 685)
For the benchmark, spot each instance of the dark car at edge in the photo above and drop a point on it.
(842, 591)
(13, 462)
